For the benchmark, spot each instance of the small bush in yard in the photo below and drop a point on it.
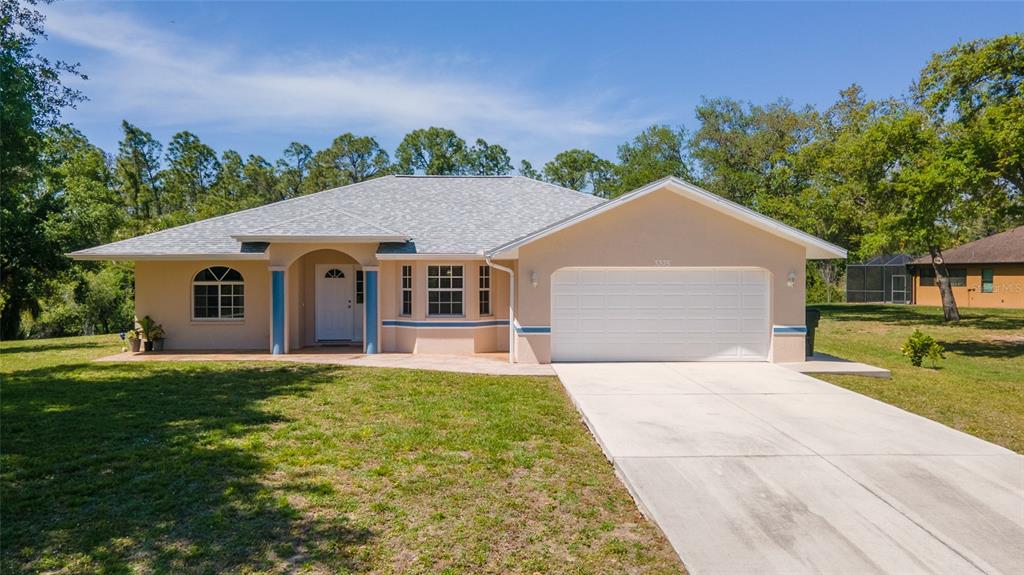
(919, 346)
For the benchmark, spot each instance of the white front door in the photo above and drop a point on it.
(660, 314)
(335, 305)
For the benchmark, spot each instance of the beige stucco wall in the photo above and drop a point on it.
(1007, 292)
(670, 229)
(163, 290)
(454, 340)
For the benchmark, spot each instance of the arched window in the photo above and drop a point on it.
(334, 273)
(218, 292)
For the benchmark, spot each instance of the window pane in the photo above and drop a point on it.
(987, 280)
(232, 276)
(214, 299)
(958, 277)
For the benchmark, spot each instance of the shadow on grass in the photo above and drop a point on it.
(29, 347)
(918, 315)
(992, 348)
(121, 468)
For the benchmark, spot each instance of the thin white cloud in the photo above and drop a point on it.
(168, 79)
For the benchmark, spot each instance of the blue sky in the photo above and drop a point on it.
(536, 78)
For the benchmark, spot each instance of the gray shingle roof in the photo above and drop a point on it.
(1002, 248)
(440, 215)
(329, 222)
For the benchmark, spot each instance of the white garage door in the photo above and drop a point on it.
(660, 314)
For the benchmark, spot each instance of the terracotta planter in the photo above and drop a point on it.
(134, 345)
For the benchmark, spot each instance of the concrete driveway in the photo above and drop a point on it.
(755, 468)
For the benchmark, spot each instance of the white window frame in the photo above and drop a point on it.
(460, 290)
(484, 287)
(219, 283)
(405, 287)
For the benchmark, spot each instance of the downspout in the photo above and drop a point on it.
(511, 307)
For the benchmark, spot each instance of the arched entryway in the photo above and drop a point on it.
(328, 300)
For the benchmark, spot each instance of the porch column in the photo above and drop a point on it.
(277, 310)
(370, 344)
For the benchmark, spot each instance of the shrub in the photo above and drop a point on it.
(919, 346)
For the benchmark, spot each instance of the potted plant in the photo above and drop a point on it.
(134, 343)
(150, 330)
(158, 336)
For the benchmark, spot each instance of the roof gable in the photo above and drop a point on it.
(816, 248)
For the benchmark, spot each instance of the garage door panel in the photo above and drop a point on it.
(659, 314)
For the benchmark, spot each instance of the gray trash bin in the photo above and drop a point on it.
(811, 318)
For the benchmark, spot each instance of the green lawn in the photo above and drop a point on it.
(978, 388)
(269, 468)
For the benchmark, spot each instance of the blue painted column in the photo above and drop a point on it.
(277, 311)
(370, 328)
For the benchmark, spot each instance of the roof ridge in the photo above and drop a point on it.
(561, 187)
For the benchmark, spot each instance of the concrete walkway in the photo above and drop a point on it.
(756, 468)
(830, 364)
(484, 363)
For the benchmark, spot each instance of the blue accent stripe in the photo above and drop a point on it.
(533, 329)
(790, 329)
(410, 323)
(370, 309)
(277, 312)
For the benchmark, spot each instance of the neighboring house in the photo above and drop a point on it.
(985, 273)
(428, 264)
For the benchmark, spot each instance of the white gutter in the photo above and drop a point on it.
(511, 307)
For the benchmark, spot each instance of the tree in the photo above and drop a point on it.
(581, 170)
(191, 170)
(975, 91)
(431, 151)
(656, 153)
(745, 152)
(79, 176)
(32, 97)
(349, 159)
(929, 187)
(292, 169)
(527, 170)
(485, 159)
(228, 192)
(260, 181)
(137, 176)
(955, 157)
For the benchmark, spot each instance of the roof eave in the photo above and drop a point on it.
(431, 256)
(80, 256)
(302, 239)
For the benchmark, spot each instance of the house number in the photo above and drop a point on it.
(663, 263)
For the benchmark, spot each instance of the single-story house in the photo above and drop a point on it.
(462, 265)
(985, 273)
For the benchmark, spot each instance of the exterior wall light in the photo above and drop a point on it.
(533, 279)
(791, 280)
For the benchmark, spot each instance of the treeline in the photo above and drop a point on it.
(917, 173)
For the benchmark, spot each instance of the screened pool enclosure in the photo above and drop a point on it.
(882, 279)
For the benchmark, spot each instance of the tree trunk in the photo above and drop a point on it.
(949, 310)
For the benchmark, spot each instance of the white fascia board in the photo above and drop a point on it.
(137, 257)
(320, 239)
(816, 248)
(432, 257)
